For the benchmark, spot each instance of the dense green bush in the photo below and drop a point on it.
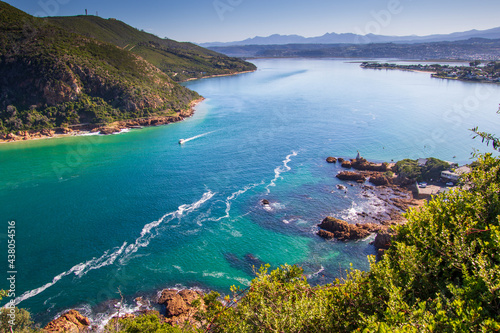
(147, 323)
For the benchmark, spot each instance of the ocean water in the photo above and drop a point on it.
(137, 212)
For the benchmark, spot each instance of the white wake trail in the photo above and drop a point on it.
(196, 137)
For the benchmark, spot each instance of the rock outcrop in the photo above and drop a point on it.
(378, 180)
(346, 164)
(331, 160)
(350, 175)
(341, 230)
(178, 305)
(70, 322)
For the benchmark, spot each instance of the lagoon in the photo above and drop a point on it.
(138, 212)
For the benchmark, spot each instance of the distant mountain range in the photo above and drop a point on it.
(350, 38)
(470, 49)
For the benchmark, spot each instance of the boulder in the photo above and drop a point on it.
(343, 230)
(71, 322)
(331, 160)
(325, 234)
(382, 240)
(178, 305)
(265, 202)
(109, 130)
(378, 180)
(349, 175)
(346, 164)
(340, 159)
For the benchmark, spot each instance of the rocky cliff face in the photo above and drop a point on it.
(70, 322)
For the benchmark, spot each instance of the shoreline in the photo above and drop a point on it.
(101, 129)
(217, 75)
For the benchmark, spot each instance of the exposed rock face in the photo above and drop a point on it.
(350, 175)
(342, 230)
(383, 240)
(346, 164)
(109, 130)
(325, 234)
(331, 160)
(378, 180)
(70, 322)
(362, 164)
(178, 305)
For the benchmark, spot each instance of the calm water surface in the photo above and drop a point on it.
(139, 212)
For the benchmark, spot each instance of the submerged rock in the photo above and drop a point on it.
(71, 321)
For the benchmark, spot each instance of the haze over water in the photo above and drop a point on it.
(139, 212)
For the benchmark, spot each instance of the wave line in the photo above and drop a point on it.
(124, 251)
(279, 170)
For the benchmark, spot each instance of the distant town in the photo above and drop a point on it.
(476, 71)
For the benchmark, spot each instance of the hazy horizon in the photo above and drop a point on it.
(202, 21)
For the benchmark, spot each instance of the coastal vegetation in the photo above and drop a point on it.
(52, 78)
(411, 171)
(181, 61)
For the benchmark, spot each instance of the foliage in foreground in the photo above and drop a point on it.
(441, 274)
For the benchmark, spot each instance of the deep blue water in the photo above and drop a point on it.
(139, 212)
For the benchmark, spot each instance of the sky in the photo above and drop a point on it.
(233, 20)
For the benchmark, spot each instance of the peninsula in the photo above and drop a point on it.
(475, 72)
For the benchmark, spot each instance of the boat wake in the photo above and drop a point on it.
(279, 170)
(123, 252)
(183, 141)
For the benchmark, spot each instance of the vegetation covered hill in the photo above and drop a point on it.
(180, 61)
(50, 78)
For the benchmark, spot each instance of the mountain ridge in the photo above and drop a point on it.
(351, 38)
(180, 60)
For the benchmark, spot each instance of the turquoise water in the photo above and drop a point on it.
(139, 212)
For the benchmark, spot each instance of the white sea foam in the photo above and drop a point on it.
(124, 251)
(279, 170)
(231, 198)
(316, 273)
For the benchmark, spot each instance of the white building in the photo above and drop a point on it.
(455, 175)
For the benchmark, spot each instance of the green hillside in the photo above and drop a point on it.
(51, 78)
(180, 61)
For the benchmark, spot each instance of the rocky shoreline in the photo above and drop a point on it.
(179, 307)
(394, 192)
(102, 129)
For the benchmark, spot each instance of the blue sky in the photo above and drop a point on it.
(230, 20)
